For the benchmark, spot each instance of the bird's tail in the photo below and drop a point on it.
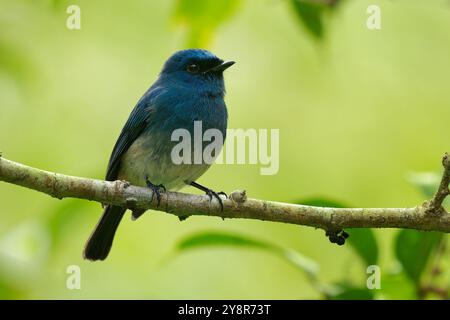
(101, 239)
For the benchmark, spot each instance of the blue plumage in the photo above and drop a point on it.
(189, 88)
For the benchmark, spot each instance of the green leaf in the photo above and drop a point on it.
(65, 216)
(206, 239)
(413, 250)
(310, 15)
(353, 293)
(363, 241)
(202, 17)
(219, 239)
(397, 286)
(64, 213)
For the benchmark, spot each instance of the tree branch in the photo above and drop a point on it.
(428, 216)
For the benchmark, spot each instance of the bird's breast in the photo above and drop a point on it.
(151, 153)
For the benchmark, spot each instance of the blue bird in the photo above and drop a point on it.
(189, 88)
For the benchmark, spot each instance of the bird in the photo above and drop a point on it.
(189, 88)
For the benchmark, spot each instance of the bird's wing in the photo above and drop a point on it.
(134, 126)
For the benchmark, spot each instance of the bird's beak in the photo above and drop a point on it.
(221, 67)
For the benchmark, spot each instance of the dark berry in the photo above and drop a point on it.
(333, 238)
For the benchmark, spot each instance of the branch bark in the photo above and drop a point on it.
(430, 216)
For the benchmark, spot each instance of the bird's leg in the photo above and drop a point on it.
(209, 192)
(155, 190)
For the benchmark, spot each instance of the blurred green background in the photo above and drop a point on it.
(363, 118)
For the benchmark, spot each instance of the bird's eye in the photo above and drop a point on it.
(193, 68)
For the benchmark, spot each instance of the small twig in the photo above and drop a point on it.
(427, 217)
(434, 206)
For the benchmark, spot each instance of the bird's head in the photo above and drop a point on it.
(195, 67)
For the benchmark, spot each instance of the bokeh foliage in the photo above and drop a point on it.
(358, 112)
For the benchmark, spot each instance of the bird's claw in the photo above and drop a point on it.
(156, 189)
(210, 193)
(223, 194)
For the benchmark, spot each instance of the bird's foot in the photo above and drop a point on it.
(210, 193)
(156, 190)
(221, 193)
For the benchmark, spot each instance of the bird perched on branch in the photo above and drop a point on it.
(190, 88)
